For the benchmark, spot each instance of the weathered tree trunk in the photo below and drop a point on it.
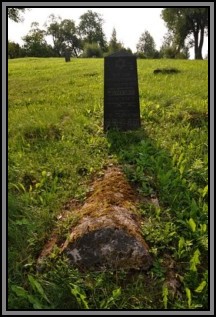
(201, 43)
(196, 53)
(108, 234)
(198, 44)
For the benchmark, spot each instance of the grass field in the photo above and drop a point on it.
(56, 145)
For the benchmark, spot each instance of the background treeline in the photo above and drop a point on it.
(186, 29)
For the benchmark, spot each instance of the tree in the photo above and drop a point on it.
(14, 14)
(170, 48)
(68, 32)
(35, 43)
(128, 49)
(53, 29)
(90, 29)
(184, 22)
(146, 45)
(184, 54)
(114, 45)
(13, 50)
(64, 35)
(92, 50)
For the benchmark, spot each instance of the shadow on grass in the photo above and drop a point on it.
(180, 214)
(151, 168)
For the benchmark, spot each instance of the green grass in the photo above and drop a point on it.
(56, 143)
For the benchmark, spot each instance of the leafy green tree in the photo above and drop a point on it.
(126, 49)
(70, 38)
(184, 54)
(13, 49)
(170, 49)
(114, 45)
(35, 43)
(146, 45)
(14, 14)
(91, 30)
(183, 23)
(53, 29)
(92, 50)
(64, 35)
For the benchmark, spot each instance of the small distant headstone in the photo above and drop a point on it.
(67, 57)
(121, 95)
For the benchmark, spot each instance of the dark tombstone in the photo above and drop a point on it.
(67, 57)
(121, 95)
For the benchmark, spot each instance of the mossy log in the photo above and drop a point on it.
(108, 235)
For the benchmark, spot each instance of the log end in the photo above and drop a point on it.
(108, 248)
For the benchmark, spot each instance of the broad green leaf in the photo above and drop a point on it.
(174, 159)
(192, 224)
(180, 159)
(193, 205)
(107, 303)
(200, 288)
(79, 295)
(205, 191)
(21, 186)
(205, 208)
(37, 287)
(188, 293)
(44, 173)
(165, 295)
(19, 291)
(203, 228)
(181, 169)
(17, 187)
(181, 243)
(193, 186)
(35, 302)
(116, 293)
(195, 261)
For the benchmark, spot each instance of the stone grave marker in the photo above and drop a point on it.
(67, 57)
(121, 94)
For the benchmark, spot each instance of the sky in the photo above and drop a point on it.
(129, 23)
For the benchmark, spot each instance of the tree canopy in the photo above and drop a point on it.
(184, 22)
(186, 28)
(91, 29)
(170, 48)
(146, 45)
(114, 44)
(64, 35)
(35, 43)
(14, 14)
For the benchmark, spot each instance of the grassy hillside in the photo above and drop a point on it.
(56, 145)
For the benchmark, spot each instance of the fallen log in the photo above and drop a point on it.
(108, 235)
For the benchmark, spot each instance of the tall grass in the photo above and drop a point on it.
(56, 143)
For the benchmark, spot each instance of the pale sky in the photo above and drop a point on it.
(129, 23)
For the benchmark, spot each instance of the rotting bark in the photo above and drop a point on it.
(108, 234)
